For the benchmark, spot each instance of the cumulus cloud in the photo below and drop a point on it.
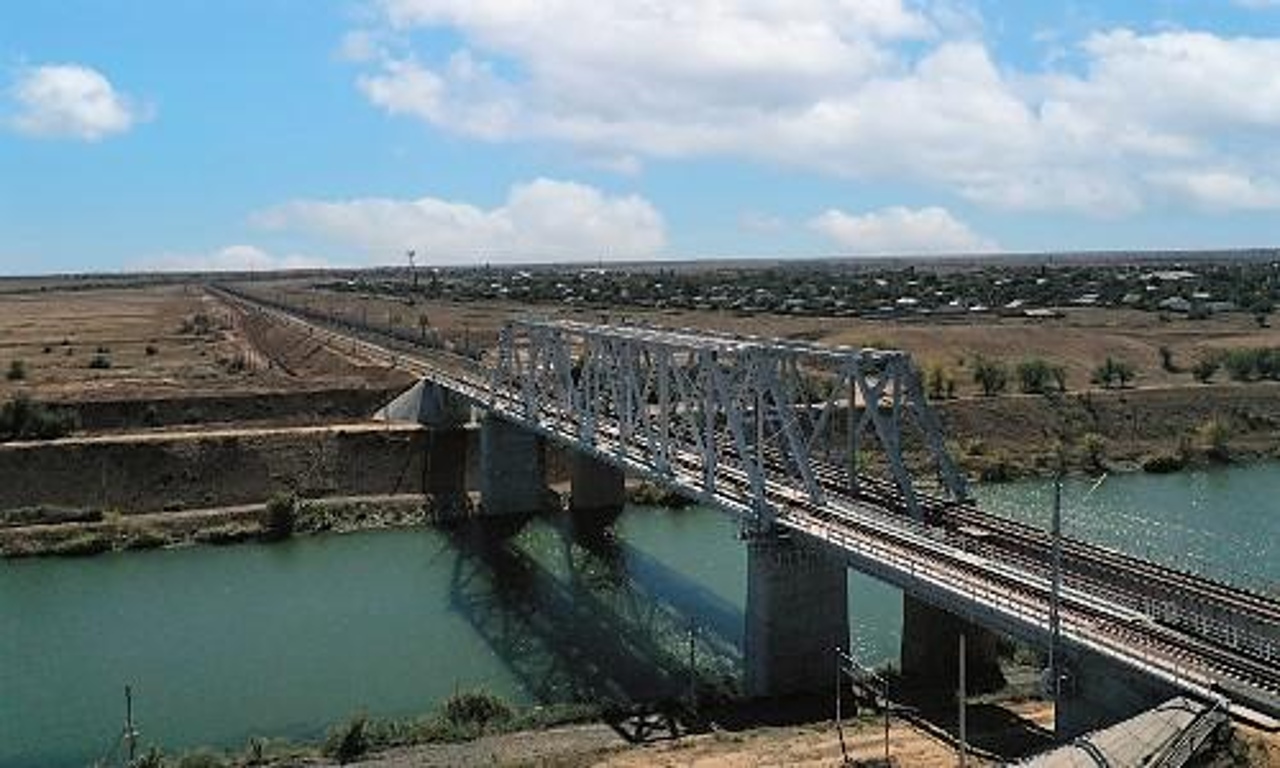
(901, 231)
(868, 90)
(541, 219)
(232, 258)
(70, 101)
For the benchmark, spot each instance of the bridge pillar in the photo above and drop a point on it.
(595, 485)
(797, 615)
(1098, 692)
(930, 637)
(512, 469)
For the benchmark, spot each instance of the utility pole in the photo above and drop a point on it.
(130, 733)
(960, 697)
(1055, 597)
(840, 670)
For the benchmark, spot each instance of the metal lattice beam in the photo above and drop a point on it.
(737, 419)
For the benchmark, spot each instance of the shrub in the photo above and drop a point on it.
(991, 375)
(1164, 463)
(23, 419)
(348, 741)
(1241, 364)
(202, 759)
(1215, 435)
(1114, 372)
(17, 371)
(1166, 360)
(1038, 377)
(940, 384)
(1095, 449)
(1205, 368)
(152, 350)
(476, 708)
(100, 362)
(281, 515)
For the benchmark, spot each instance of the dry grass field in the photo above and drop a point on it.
(161, 341)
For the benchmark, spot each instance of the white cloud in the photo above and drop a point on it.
(232, 258)
(867, 90)
(70, 101)
(1219, 190)
(541, 219)
(901, 231)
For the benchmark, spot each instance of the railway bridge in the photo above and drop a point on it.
(830, 458)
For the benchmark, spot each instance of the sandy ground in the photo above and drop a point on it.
(810, 745)
(57, 334)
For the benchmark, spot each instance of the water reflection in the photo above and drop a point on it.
(605, 623)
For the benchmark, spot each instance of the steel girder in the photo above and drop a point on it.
(713, 411)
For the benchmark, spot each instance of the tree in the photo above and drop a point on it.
(1114, 372)
(940, 384)
(1038, 377)
(991, 375)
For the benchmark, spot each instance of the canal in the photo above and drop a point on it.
(221, 644)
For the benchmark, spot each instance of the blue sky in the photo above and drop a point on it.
(185, 133)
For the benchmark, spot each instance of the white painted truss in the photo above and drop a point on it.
(716, 408)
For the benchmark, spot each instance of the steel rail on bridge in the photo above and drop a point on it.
(602, 392)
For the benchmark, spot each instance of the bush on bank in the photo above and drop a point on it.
(462, 717)
(24, 419)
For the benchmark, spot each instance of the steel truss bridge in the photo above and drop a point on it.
(796, 437)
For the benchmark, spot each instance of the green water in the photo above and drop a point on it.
(1222, 522)
(222, 644)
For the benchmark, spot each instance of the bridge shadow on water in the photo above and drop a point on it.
(597, 621)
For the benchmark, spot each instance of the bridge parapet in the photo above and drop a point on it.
(719, 409)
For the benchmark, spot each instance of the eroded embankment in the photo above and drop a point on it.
(137, 473)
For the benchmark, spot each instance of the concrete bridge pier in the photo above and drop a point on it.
(512, 469)
(447, 417)
(797, 615)
(930, 640)
(1098, 692)
(595, 486)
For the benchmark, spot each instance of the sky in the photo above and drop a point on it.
(189, 134)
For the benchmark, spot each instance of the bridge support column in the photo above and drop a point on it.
(512, 469)
(595, 486)
(1098, 692)
(797, 615)
(930, 637)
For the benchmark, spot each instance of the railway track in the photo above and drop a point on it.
(1012, 573)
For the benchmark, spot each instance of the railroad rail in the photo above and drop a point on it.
(944, 546)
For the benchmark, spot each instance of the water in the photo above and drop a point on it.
(224, 643)
(1223, 522)
(221, 644)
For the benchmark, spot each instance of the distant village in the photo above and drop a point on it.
(1194, 290)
